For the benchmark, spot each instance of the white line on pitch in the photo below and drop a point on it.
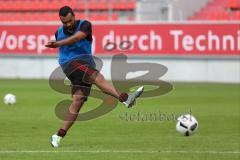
(119, 151)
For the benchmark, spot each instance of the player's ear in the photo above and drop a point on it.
(73, 16)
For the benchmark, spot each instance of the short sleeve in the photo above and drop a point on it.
(86, 28)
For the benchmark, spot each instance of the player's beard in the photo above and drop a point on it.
(72, 28)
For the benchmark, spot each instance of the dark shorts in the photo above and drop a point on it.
(79, 72)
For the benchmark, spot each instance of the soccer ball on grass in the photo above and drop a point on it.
(9, 99)
(187, 124)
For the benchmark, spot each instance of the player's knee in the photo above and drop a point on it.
(78, 100)
(99, 78)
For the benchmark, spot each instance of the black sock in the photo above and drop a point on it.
(123, 97)
(61, 132)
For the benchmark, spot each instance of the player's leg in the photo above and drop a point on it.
(80, 92)
(79, 97)
(106, 87)
(91, 75)
(78, 100)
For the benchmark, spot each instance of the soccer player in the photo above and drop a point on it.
(74, 40)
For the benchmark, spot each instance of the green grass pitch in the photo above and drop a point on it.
(26, 127)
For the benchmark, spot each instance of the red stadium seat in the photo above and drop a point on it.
(98, 16)
(115, 17)
(123, 4)
(80, 15)
(55, 5)
(80, 5)
(42, 10)
(131, 4)
(3, 16)
(219, 16)
(233, 4)
(236, 16)
(214, 10)
(98, 5)
(119, 4)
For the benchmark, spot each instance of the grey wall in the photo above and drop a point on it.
(179, 69)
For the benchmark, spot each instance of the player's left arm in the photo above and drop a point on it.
(81, 34)
(68, 41)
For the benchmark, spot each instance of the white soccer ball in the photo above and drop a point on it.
(187, 124)
(9, 99)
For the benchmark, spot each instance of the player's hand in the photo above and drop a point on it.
(52, 44)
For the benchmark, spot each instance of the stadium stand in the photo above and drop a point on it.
(47, 10)
(218, 10)
(121, 10)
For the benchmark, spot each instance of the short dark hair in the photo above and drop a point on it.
(65, 10)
